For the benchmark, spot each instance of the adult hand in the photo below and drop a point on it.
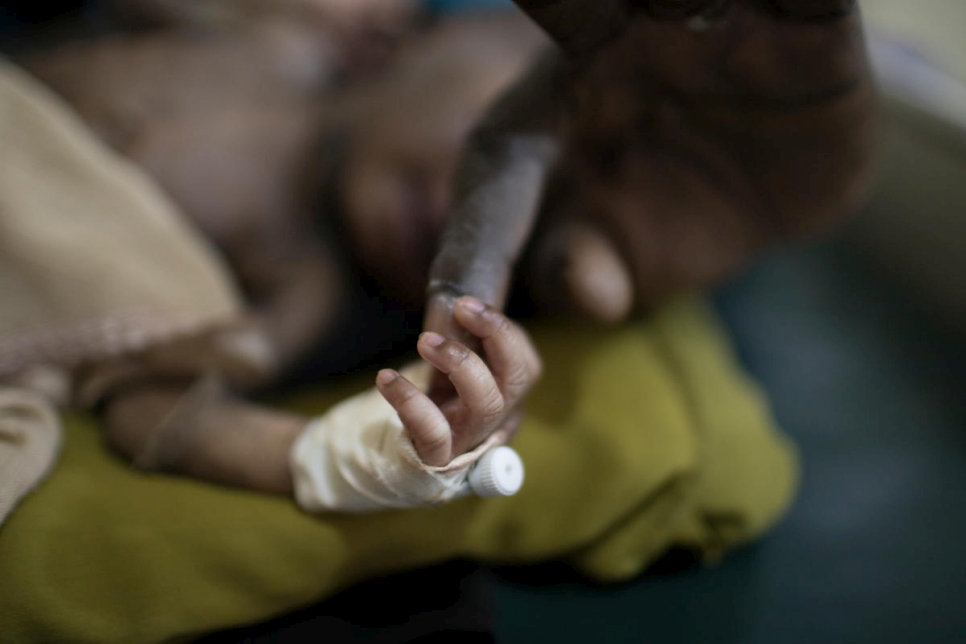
(700, 134)
(694, 133)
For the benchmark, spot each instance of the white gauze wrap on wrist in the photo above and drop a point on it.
(358, 458)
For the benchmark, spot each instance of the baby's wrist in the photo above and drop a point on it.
(358, 457)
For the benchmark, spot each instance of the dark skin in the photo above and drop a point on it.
(688, 134)
(624, 224)
(231, 125)
(692, 142)
(237, 126)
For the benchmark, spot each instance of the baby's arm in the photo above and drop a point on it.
(360, 455)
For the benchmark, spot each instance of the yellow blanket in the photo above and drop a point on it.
(637, 440)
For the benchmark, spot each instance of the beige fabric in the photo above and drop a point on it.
(94, 261)
(97, 271)
(358, 458)
(30, 438)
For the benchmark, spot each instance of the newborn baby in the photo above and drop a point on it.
(246, 165)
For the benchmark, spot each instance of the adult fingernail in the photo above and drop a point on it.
(432, 339)
(472, 304)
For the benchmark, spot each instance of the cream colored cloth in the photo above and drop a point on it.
(94, 261)
(30, 437)
(358, 458)
(95, 266)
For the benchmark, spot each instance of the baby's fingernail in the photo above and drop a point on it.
(386, 376)
(472, 304)
(432, 339)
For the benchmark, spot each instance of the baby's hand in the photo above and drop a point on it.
(487, 394)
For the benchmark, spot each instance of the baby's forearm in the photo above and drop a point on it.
(357, 457)
(199, 431)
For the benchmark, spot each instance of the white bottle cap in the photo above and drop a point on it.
(498, 473)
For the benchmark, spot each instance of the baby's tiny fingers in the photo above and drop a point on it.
(426, 425)
(512, 357)
(475, 385)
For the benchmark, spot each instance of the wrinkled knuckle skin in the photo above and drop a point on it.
(520, 380)
(493, 408)
(438, 441)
